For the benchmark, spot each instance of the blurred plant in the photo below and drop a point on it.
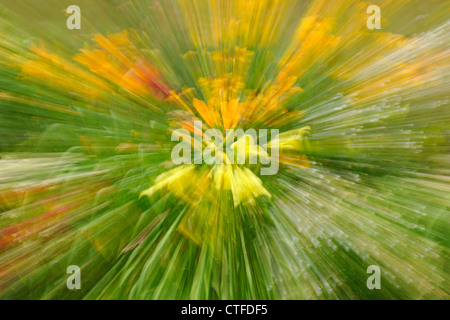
(86, 176)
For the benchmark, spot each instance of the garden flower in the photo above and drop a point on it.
(241, 149)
